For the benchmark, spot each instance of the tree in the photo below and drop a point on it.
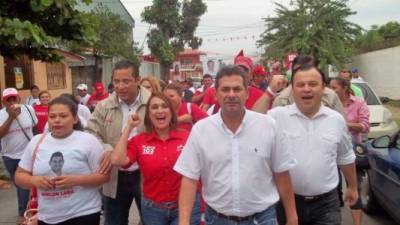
(175, 27)
(379, 37)
(113, 37)
(35, 27)
(315, 27)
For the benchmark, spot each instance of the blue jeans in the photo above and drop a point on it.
(116, 211)
(266, 217)
(164, 214)
(22, 194)
(322, 211)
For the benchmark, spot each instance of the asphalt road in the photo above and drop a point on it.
(8, 212)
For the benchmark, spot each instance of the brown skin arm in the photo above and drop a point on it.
(349, 172)
(284, 186)
(187, 196)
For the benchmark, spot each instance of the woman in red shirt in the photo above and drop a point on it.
(187, 113)
(41, 111)
(156, 152)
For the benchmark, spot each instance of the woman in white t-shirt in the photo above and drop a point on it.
(65, 169)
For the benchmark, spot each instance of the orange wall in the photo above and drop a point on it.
(39, 78)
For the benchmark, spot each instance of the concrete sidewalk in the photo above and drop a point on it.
(9, 211)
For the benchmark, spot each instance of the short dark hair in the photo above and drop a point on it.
(56, 154)
(303, 63)
(207, 76)
(34, 87)
(228, 71)
(126, 64)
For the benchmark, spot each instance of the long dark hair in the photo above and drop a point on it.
(71, 105)
(147, 122)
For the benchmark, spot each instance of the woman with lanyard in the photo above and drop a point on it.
(187, 113)
(42, 111)
(357, 117)
(156, 152)
(63, 166)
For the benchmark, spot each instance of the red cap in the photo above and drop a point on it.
(241, 60)
(10, 92)
(259, 70)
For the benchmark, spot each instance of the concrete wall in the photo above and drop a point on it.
(39, 78)
(381, 69)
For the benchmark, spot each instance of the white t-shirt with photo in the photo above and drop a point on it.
(14, 142)
(77, 154)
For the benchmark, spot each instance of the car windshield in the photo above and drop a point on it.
(368, 94)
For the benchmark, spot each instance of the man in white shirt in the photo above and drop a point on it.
(33, 99)
(318, 138)
(82, 94)
(237, 154)
(16, 123)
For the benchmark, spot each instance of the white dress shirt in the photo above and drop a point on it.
(318, 144)
(236, 169)
(128, 110)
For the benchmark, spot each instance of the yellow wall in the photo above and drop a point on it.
(40, 79)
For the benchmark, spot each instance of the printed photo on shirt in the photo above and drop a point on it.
(56, 163)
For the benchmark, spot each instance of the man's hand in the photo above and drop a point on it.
(292, 221)
(278, 83)
(351, 196)
(14, 111)
(133, 121)
(105, 162)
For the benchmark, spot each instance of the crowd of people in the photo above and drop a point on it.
(248, 147)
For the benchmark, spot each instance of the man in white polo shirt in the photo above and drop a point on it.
(237, 154)
(16, 123)
(318, 138)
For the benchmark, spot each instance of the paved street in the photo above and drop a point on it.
(8, 211)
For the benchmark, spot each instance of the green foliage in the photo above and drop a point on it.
(315, 27)
(379, 37)
(35, 27)
(175, 26)
(113, 35)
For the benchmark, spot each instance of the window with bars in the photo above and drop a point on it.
(56, 77)
(19, 72)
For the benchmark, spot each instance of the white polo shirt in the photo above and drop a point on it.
(318, 144)
(128, 110)
(236, 169)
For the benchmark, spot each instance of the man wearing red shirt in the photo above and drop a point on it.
(98, 95)
(207, 82)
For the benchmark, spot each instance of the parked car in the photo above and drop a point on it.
(380, 118)
(381, 183)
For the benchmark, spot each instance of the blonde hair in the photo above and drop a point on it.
(154, 83)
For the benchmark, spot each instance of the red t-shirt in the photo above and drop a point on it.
(94, 99)
(254, 95)
(42, 114)
(156, 159)
(196, 113)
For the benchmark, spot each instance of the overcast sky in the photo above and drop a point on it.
(231, 25)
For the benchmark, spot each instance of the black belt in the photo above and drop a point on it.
(128, 173)
(234, 218)
(315, 197)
